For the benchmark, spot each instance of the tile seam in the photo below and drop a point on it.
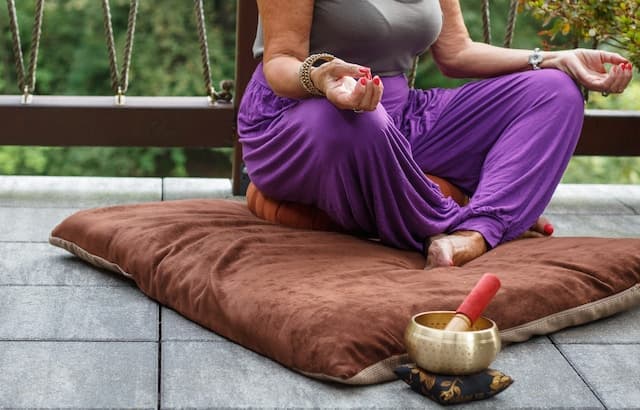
(149, 341)
(159, 367)
(55, 285)
(580, 375)
(629, 207)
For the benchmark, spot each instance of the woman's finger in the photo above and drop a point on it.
(339, 68)
(367, 103)
(359, 94)
(376, 93)
(622, 75)
(378, 88)
(619, 79)
(612, 58)
(627, 76)
(616, 76)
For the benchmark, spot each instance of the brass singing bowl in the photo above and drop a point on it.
(447, 352)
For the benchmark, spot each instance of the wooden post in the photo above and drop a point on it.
(246, 25)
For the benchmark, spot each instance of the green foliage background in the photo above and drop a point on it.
(73, 61)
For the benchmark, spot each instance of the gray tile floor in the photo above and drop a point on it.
(77, 337)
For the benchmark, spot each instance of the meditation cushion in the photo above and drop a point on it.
(309, 217)
(453, 389)
(288, 213)
(330, 305)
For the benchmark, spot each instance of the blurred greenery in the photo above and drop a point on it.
(611, 22)
(166, 61)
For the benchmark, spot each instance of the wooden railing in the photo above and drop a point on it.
(193, 122)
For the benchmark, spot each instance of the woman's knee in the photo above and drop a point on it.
(560, 88)
(561, 106)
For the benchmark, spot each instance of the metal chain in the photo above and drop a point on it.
(486, 21)
(226, 85)
(511, 23)
(120, 83)
(26, 85)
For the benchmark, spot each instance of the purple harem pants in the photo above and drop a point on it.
(504, 141)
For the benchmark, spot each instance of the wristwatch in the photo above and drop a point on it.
(535, 59)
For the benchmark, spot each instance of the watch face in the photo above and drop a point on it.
(535, 58)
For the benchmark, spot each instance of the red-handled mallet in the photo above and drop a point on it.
(475, 303)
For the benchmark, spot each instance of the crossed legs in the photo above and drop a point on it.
(505, 142)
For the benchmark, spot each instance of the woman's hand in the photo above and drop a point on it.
(348, 86)
(588, 67)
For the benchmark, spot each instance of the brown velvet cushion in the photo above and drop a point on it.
(330, 305)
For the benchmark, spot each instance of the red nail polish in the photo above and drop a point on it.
(363, 81)
(628, 66)
(376, 80)
(548, 229)
(366, 71)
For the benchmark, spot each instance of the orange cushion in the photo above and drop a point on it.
(309, 217)
(288, 213)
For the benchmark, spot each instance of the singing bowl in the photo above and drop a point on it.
(448, 352)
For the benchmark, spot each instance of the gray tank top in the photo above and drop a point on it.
(382, 34)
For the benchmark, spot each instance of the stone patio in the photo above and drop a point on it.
(72, 336)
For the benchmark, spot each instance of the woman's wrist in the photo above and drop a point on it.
(309, 75)
(550, 59)
(316, 78)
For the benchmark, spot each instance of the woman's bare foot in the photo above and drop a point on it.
(540, 229)
(455, 249)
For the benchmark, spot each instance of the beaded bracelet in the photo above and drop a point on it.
(305, 72)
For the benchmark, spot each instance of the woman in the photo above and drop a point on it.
(328, 120)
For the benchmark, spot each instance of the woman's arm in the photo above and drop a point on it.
(458, 56)
(286, 28)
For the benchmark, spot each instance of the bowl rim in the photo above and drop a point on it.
(492, 328)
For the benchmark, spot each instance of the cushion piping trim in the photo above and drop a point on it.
(578, 315)
(89, 257)
(379, 372)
